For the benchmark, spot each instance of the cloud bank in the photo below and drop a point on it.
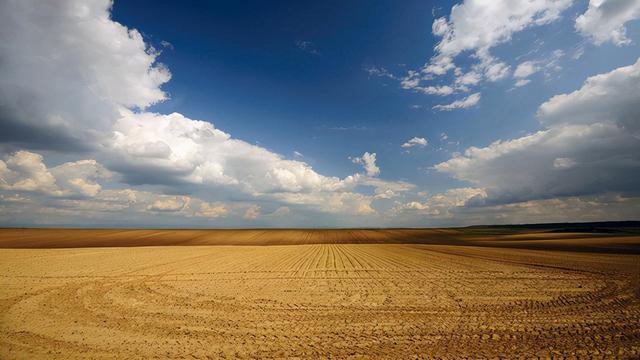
(76, 82)
(590, 145)
(604, 20)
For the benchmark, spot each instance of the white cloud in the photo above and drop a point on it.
(252, 212)
(211, 210)
(383, 189)
(548, 65)
(613, 97)
(435, 90)
(368, 161)
(497, 71)
(415, 141)
(166, 44)
(590, 145)
(475, 27)
(413, 79)
(442, 205)
(196, 152)
(108, 206)
(478, 26)
(440, 27)
(281, 211)
(26, 171)
(379, 71)
(80, 177)
(563, 163)
(66, 68)
(72, 78)
(604, 20)
(330, 202)
(464, 103)
(75, 187)
(452, 209)
(170, 204)
(469, 78)
(345, 201)
(526, 69)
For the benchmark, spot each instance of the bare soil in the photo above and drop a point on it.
(338, 293)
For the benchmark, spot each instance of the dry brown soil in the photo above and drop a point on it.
(364, 299)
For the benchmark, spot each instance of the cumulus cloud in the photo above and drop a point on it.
(110, 206)
(604, 20)
(435, 90)
(474, 27)
(196, 152)
(480, 25)
(66, 69)
(171, 204)
(610, 98)
(383, 189)
(210, 210)
(526, 69)
(442, 205)
(590, 145)
(71, 78)
(368, 161)
(464, 103)
(75, 189)
(456, 208)
(26, 171)
(330, 202)
(415, 141)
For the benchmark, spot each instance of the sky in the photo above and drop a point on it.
(325, 114)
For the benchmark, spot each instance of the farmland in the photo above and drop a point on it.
(327, 293)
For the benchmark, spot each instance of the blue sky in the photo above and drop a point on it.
(244, 71)
(322, 90)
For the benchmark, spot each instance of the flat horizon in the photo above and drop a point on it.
(416, 179)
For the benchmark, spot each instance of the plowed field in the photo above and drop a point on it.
(318, 301)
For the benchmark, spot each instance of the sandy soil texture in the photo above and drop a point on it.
(318, 301)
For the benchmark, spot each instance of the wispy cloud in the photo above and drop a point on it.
(467, 102)
(380, 72)
(166, 44)
(415, 141)
(348, 128)
(548, 65)
(307, 46)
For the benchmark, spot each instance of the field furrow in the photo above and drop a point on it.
(317, 301)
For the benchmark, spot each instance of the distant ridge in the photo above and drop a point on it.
(591, 227)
